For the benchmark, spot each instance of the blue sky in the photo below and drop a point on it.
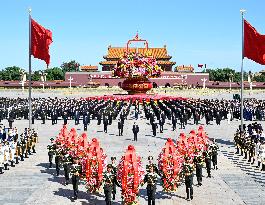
(195, 31)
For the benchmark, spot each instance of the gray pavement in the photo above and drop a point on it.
(32, 182)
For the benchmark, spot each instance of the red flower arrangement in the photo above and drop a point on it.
(169, 163)
(136, 65)
(130, 174)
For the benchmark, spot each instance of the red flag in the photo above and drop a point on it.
(254, 44)
(41, 39)
(200, 65)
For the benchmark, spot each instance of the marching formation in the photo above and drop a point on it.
(251, 144)
(87, 161)
(13, 149)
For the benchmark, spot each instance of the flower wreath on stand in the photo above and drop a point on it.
(136, 65)
(130, 174)
(95, 164)
(169, 163)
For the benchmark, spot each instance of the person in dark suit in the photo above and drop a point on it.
(10, 120)
(154, 126)
(105, 123)
(135, 130)
(120, 127)
(85, 122)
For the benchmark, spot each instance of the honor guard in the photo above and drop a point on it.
(214, 150)
(151, 179)
(51, 151)
(67, 162)
(2, 153)
(208, 158)
(109, 179)
(114, 170)
(75, 172)
(151, 164)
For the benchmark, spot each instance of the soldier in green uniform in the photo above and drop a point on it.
(208, 160)
(214, 149)
(198, 161)
(114, 170)
(187, 170)
(58, 158)
(23, 148)
(18, 152)
(151, 164)
(75, 172)
(51, 151)
(67, 162)
(236, 140)
(109, 179)
(151, 179)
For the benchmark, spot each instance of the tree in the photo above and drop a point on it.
(10, 73)
(71, 66)
(35, 76)
(223, 74)
(55, 74)
(259, 78)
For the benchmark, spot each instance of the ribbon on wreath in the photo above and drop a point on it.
(130, 155)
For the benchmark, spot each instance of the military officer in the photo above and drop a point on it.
(109, 179)
(151, 179)
(75, 172)
(50, 151)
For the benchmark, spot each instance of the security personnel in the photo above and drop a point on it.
(109, 179)
(151, 180)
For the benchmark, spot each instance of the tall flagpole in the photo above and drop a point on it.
(242, 11)
(29, 100)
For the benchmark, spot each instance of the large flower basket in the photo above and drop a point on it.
(136, 85)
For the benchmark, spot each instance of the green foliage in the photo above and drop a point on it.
(10, 73)
(35, 76)
(54, 74)
(223, 75)
(259, 78)
(71, 66)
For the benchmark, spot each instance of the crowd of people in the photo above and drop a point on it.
(86, 161)
(14, 148)
(250, 143)
(105, 110)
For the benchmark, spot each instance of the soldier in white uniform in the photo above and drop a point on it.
(6, 154)
(12, 152)
(262, 155)
(257, 149)
(1, 158)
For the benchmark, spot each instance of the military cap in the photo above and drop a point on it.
(113, 158)
(109, 166)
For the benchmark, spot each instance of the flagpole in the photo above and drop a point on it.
(242, 11)
(29, 100)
